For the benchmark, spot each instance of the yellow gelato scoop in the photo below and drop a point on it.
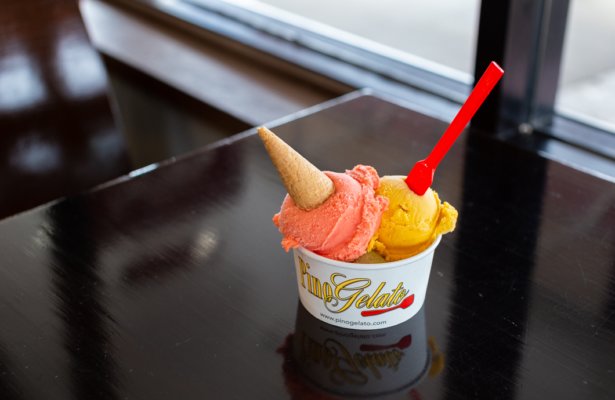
(412, 222)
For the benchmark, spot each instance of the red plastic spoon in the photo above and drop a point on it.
(420, 177)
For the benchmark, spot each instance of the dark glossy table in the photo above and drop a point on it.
(171, 283)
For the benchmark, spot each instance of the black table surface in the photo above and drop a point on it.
(171, 283)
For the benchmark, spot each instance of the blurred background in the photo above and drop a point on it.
(93, 90)
(445, 31)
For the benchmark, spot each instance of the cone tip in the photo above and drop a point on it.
(306, 184)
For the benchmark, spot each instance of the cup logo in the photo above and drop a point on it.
(341, 293)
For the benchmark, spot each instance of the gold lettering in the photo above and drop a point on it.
(315, 286)
(327, 293)
(362, 300)
(395, 299)
(347, 286)
(381, 301)
(400, 296)
(373, 296)
(303, 267)
(349, 292)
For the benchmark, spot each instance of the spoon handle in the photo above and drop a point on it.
(485, 84)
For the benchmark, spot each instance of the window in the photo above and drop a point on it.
(587, 83)
(534, 40)
(433, 33)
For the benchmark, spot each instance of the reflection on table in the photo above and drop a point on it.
(321, 359)
(171, 282)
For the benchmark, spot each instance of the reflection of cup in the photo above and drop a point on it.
(363, 296)
(359, 363)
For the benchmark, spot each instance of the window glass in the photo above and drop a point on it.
(587, 80)
(430, 33)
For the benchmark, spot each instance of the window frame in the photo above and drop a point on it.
(522, 106)
(527, 38)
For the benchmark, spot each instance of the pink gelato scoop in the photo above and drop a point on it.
(342, 227)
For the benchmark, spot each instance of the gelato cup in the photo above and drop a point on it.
(363, 296)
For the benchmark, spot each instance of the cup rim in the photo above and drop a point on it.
(378, 266)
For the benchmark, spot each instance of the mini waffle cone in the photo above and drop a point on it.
(307, 185)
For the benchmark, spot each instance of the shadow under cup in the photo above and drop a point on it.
(363, 296)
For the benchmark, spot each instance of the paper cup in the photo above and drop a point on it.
(363, 296)
(357, 363)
